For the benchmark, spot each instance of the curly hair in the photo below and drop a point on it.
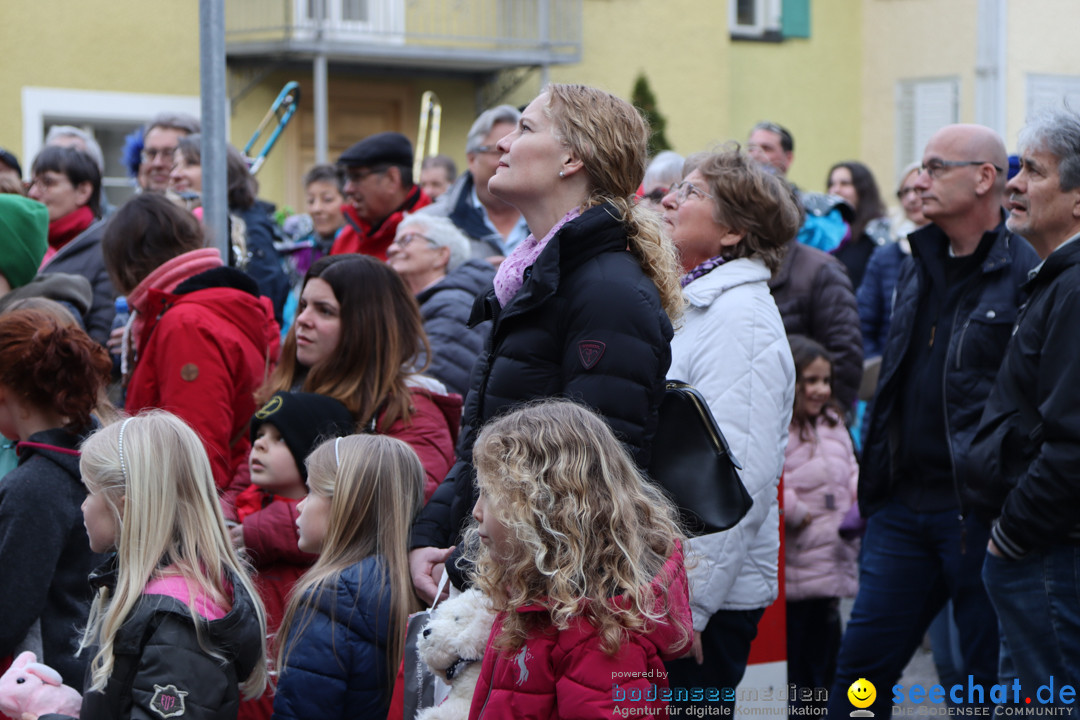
(48, 364)
(749, 200)
(611, 137)
(590, 534)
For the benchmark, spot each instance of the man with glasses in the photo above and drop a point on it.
(1027, 449)
(493, 227)
(379, 191)
(159, 144)
(955, 304)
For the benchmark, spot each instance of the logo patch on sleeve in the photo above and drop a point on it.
(168, 701)
(590, 352)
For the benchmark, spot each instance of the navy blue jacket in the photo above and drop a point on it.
(875, 297)
(1026, 454)
(586, 325)
(336, 668)
(981, 329)
(445, 308)
(456, 204)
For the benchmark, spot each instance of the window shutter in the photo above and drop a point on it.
(1052, 92)
(922, 108)
(795, 19)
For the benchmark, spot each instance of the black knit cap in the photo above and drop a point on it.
(303, 419)
(9, 159)
(385, 148)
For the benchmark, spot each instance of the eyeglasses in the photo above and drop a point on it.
(486, 149)
(360, 174)
(683, 190)
(904, 192)
(404, 240)
(934, 168)
(148, 154)
(656, 194)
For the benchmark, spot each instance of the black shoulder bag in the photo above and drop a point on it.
(692, 462)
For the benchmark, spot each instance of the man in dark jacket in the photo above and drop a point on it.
(815, 298)
(956, 300)
(493, 226)
(1027, 450)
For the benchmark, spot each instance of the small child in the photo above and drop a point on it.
(820, 479)
(581, 557)
(343, 635)
(176, 626)
(283, 433)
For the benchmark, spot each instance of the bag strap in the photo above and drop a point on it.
(438, 593)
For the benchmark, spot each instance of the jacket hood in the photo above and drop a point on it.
(232, 296)
(237, 635)
(73, 290)
(473, 276)
(58, 445)
(705, 289)
(669, 638)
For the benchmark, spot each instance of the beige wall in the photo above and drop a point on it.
(810, 86)
(911, 39)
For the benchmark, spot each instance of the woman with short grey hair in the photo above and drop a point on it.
(432, 257)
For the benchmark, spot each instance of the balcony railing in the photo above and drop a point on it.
(443, 34)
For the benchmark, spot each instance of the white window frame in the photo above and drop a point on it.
(42, 107)
(911, 141)
(767, 16)
(1044, 92)
(387, 24)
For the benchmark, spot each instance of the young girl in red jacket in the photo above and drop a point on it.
(581, 557)
(820, 478)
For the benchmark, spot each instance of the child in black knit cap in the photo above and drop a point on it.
(284, 431)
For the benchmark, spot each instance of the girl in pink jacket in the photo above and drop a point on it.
(581, 558)
(820, 478)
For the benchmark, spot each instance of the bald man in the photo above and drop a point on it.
(955, 306)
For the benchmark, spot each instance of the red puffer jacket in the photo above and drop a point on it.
(567, 675)
(359, 237)
(202, 354)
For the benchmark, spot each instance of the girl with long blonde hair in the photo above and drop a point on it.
(581, 557)
(176, 622)
(342, 637)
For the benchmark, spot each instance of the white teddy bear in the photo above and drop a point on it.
(452, 645)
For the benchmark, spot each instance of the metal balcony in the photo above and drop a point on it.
(456, 35)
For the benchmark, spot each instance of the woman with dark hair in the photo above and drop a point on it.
(582, 308)
(358, 338)
(251, 227)
(731, 221)
(854, 182)
(199, 339)
(68, 182)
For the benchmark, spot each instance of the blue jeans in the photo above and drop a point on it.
(1037, 600)
(911, 563)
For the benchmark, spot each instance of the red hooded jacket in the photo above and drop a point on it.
(567, 675)
(201, 356)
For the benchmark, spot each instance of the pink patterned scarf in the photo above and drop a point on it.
(511, 273)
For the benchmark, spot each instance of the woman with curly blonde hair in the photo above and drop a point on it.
(582, 559)
(581, 308)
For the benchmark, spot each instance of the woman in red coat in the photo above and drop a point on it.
(200, 339)
(359, 339)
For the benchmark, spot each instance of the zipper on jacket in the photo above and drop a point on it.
(945, 410)
(960, 345)
(483, 707)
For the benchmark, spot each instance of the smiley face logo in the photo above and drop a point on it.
(862, 693)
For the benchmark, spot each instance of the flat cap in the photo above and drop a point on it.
(385, 148)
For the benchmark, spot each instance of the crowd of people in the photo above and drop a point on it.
(229, 481)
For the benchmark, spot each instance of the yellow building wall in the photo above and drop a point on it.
(811, 86)
(1041, 40)
(110, 45)
(678, 44)
(902, 43)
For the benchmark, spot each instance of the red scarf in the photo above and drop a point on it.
(64, 230)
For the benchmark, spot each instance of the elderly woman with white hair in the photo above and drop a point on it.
(432, 257)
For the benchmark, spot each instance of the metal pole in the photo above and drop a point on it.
(214, 114)
(321, 143)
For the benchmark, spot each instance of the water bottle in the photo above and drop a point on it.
(119, 321)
